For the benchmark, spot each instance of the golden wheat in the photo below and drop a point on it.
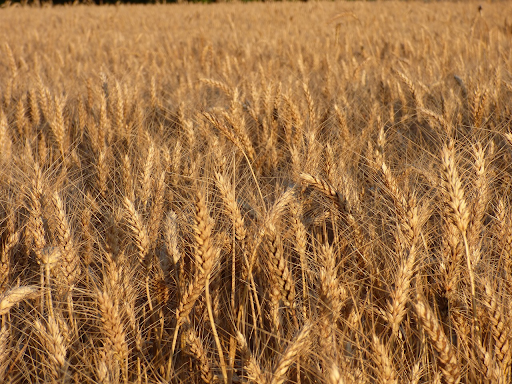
(253, 192)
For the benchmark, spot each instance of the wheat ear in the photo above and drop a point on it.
(112, 325)
(205, 254)
(53, 341)
(5, 336)
(386, 369)
(145, 178)
(5, 139)
(36, 225)
(71, 265)
(196, 349)
(255, 374)
(447, 356)
(5, 262)
(157, 209)
(458, 209)
(280, 272)
(331, 294)
(501, 330)
(324, 187)
(408, 218)
(228, 196)
(138, 229)
(296, 347)
(14, 296)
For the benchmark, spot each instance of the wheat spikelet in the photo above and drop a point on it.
(508, 138)
(204, 251)
(190, 132)
(189, 297)
(119, 111)
(126, 171)
(279, 206)
(13, 67)
(237, 121)
(478, 106)
(399, 295)
(104, 125)
(408, 217)
(44, 100)
(504, 232)
(311, 104)
(82, 116)
(491, 369)
(452, 253)
(112, 235)
(205, 255)
(240, 140)
(406, 207)
(300, 245)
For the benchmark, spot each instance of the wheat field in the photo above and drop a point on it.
(259, 193)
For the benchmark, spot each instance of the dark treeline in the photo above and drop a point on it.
(105, 2)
